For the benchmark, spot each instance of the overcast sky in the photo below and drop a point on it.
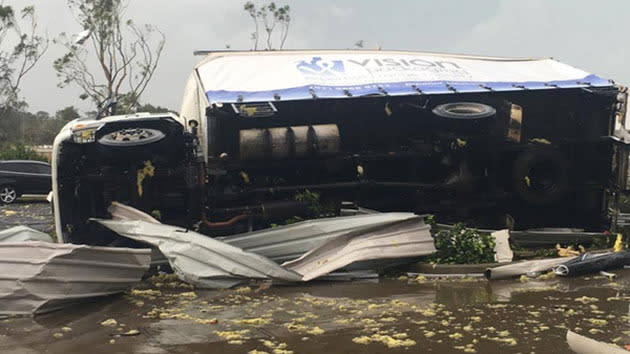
(590, 35)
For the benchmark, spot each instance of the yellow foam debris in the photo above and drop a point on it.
(455, 335)
(597, 321)
(362, 340)
(149, 293)
(384, 339)
(546, 276)
(496, 306)
(618, 247)
(206, 321)
(233, 335)
(109, 322)
(427, 312)
(509, 341)
(259, 321)
(132, 332)
(189, 295)
(315, 331)
(586, 300)
(146, 171)
(243, 290)
(268, 344)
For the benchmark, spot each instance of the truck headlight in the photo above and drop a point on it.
(84, 133)
(84, 136)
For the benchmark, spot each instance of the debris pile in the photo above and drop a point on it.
(365, 243)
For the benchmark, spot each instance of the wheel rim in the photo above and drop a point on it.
(132, 137)
(7, 194)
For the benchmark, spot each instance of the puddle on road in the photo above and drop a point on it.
(452, 316)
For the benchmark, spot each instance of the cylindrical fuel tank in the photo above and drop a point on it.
(288, 142)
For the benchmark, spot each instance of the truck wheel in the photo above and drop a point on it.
(464, 110)
(131, 137)
(541, 176)
(464, 117)
(8, 194)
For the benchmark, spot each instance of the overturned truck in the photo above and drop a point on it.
(263, 137)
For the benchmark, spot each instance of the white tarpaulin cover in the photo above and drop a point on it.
(38, 277)
(229, 77)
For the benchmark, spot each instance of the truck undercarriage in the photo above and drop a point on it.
(522, 159)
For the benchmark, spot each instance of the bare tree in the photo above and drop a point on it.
(20, 50)
(270, 17)
(112, 58)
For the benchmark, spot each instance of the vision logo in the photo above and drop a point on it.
(317, 66)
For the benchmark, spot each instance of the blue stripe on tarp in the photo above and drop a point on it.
(396, 89)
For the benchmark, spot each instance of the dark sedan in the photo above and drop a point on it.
(18, 177)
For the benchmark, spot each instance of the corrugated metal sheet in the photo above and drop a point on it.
(288, 242)
(44, 276)
(392, 240)
(199, 259)
(366, 240)
(23, 234)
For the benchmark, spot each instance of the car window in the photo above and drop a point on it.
(11, 167)
(44, 169)
(28, 168)
(24, 167)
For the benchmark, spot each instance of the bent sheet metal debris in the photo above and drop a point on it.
(48, 276)
(394, 240)
(584, 345)
(23, 234)
(198, 259)
(210, 263)
(289, 242)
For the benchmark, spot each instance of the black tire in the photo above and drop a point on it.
(8, 194)
(464, 110)
(541, 176)
(131, 137)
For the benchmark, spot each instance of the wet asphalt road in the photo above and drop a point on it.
(33, 212)
(163, 315)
